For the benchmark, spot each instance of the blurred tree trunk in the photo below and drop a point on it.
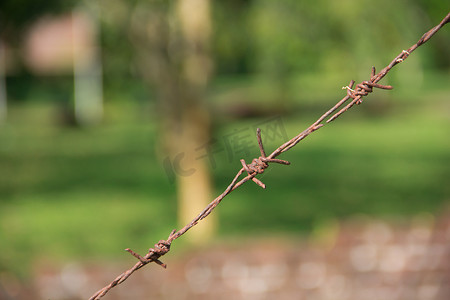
(195, 190)
(173, 48)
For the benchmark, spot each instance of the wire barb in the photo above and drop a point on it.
(144, 260)
(259, 164)
(348, 88)
(161, 248)
(361, 90)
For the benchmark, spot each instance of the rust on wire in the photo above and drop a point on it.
(362, 89)
(258, 165)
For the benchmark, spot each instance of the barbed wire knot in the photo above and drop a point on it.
(258, 165)
(153, 255)
(365, 87)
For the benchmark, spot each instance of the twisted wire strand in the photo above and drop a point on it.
(258, 165)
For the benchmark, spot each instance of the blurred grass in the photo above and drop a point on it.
(74, 193)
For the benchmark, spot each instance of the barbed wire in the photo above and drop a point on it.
(258, 165)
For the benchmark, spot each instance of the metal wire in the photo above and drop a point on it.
(258, 165)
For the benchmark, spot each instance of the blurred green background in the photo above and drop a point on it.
(73, 192)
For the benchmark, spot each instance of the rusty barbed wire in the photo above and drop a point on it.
(258, 165)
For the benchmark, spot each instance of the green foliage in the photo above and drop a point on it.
(70, 193)
(280, 38)
(88, 193)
